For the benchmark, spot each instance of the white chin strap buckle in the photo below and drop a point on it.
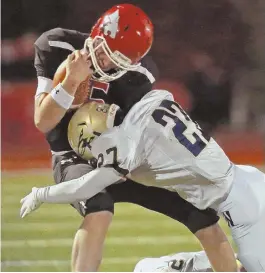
(111, 115)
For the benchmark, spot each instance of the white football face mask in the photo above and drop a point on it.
(121, 64)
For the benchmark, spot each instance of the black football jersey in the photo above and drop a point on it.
(53, 47)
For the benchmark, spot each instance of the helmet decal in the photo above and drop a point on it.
(110, 24)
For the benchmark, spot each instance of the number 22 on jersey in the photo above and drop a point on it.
(187, 132)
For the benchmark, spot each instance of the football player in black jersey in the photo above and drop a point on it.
(111, 55)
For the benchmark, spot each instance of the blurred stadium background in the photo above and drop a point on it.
(210, 54)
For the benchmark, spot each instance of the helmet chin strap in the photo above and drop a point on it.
(113, 116)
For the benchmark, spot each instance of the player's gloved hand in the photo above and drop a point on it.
(29, 203)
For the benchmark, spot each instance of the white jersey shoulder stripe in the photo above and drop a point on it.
(63, 45)
(146, 72)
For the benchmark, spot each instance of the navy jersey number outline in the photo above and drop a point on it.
(114, 164)
(180, 127)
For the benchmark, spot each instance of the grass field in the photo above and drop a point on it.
(42, 241)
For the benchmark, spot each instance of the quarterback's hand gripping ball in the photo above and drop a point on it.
(83, 90)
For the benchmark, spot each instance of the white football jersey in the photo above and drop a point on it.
(159, 145)
(180, 262)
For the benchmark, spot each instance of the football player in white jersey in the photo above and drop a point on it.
(158, 144)
(180, 262)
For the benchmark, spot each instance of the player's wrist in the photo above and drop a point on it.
(41, 194)
(70, 84)
(62, 97)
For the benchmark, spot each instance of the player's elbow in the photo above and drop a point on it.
(41, 124)
(41, 128)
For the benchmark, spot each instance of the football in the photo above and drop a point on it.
(82, 92)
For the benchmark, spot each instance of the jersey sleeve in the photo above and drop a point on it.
(51, 49)
(131, 87)
(53, 46)
(213, 164)
(46, 61)
(79, 189)
(45, 64)
(144, 75)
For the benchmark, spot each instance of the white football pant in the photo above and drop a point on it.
(244, 210)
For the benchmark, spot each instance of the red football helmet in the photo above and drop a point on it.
(125, 33)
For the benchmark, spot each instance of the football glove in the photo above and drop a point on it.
(29, 203)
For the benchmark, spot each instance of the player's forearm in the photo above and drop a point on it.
(222, 257)
(218, 249)
(48, 112)
(78, 189)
